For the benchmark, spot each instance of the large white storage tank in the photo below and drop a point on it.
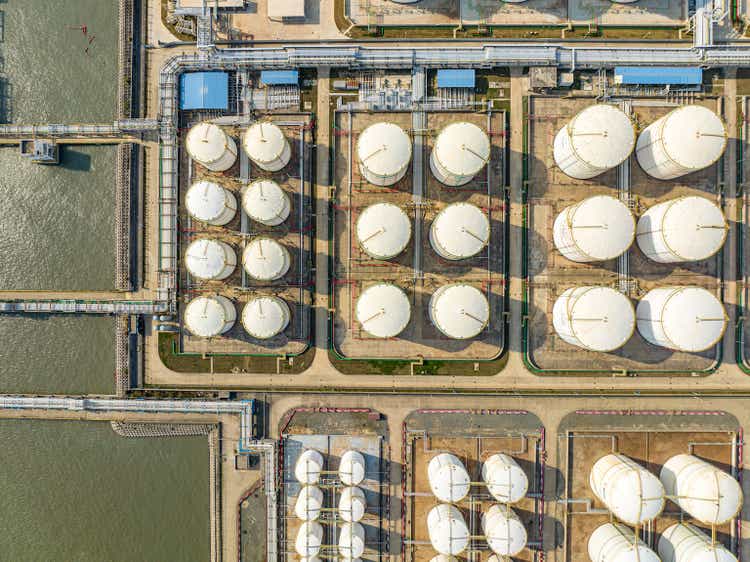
(681, 318)
(683, 542)
(615, 542)
(704, 491)
(351, 541)
(504, 530)
(383, 310)
(596, 229)
(682, 230)
(211, 316)
(505, 479)
(266, 145)
(264, 259)
(265, 202)
(210, 260)
(629, 491)
(383, 230)
(352, 504)
(594, 318)
(459, 231)
(309, 503)
(685, 140)
(209, 202)
(309, 538)
(459, 311)
(211, 147)
(352, 467)
(596, 140)
(443, 558)
(383, 153)
(461, 151)
(265, 317)
(448, 478)
(308, 467)
(447, 529)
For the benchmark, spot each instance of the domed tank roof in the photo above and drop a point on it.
(459, 311)
(383, 230)
(447, 529)
(384, 149)
(614, 542)
(209, 316)
(383, 310)
(505, 532)
(462, 149)
(309, 538)
(351, 541)
(505, 479)
(265, 143)
(265, 259)
(265, 317)
(207, 143)
(460, 231)
(308, 466)
(209, 202)
(448, 478)
(210, 259)
(352, 468)
(309, 503)
(443, 558)
(683, 542)
(264, 201)
(352, 504)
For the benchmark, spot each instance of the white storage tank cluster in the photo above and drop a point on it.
(210, 260)
(683, 542)
(505, 479)
(265, 202)
(383, 230)
(209, 316)
(504, 531)
(265, 317)
(461, 151)
(448, 478)
(460, 231)
(383, 310)
(211, 147)
(383, 153)
(615, 542)
(447, 529)
(266, 145)
(208, 202)
(459, 311)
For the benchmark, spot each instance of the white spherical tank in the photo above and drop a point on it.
(504, 530)
(505, 479)
(265, 202)
(461, 151)
(352, 468)
(615, 542)
(685, 140)
(683, 542)
(266, 145)
(459, 311)
(207, 317)
(629, 491)
(211, 147)
(265, 317)
(210, 260)
(682, 230)
(596, 229)
(383, 153)
(710, 495)
(383, 310)
(681, 318)
(208, 202)
(597, 139)
(309, 503)
(308, 467)
(352, 504)
(594, 318)
(351, 541)
(459, 231)
(449, 480)
(264, 259)
(447, 529)
(309, 538)
(383, 230)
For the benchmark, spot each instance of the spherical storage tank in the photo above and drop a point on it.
(383, 230)
(461, 151)
(683, 542)
(352, 468)
(265, 259)
(383, 310)
(685, 140)
(210, 260)
(596, 229)
(682, 230)
(211, 316)
(308, 466)
(629, 491)
(448, 478)
(614, 542)
(352, 504)
(266, 145)
(596, 140)
(459, 311)
(211, 147)
(447, 529)
(383, 153)
(594, 318)
(505, 479)
(265, 202)
(351, 541)
(265, 317)
(681, 318)
(208, 202)
(504, 530)
(309, 503)
(459, 231)
(309, 538)
(707, 493)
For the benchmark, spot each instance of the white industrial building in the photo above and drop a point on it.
(265, 202)
(267, 147)
(448, 478)
(210, 260)
(383, 310)
(309, 503)
(683, 542)
(308, 467)
(459, 311)
(447, 529)
(504, 531)
(211, 147)
(208, 202)
(383, 230)
(352, 468)
(459, 231)
(460, 152)
(264, 259)
(383, 153)
(615, 542)
(352, 504)
(265, 317)
(505, 479)
(209, 316)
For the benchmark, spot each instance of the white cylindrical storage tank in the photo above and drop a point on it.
(309, 503)
(461, 151)
(211, 316)
(629, 491)
(352, 468)
(596, 140)
(265, 202)
(683, 542)
(594, 318)
(352, 504)
(615, 542)
(596, 229)
(681, 230)
(211, 147)
(681, 318)
(505, 479)
(383, 310)
(449, 480)
(710, 495)
(443, 558)
(459, 311)
(266, 145)
(265, 317)
(685, 140)
(383, 153)
(308, 467)
(383, 230)
(210, 260)
(309, 538)
(264, 259)
(447, 529)
(351, 541)
(459, 231)
(504, 530)
(208, 202)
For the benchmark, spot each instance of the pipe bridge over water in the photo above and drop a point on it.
(121, 131)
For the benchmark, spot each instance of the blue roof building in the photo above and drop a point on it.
(204, 90)
(658, 75)
(456, 78)
(279, 77)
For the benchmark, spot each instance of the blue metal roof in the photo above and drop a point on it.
(658, 75)
(456, 78)
(279, 77)
(204, 90)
